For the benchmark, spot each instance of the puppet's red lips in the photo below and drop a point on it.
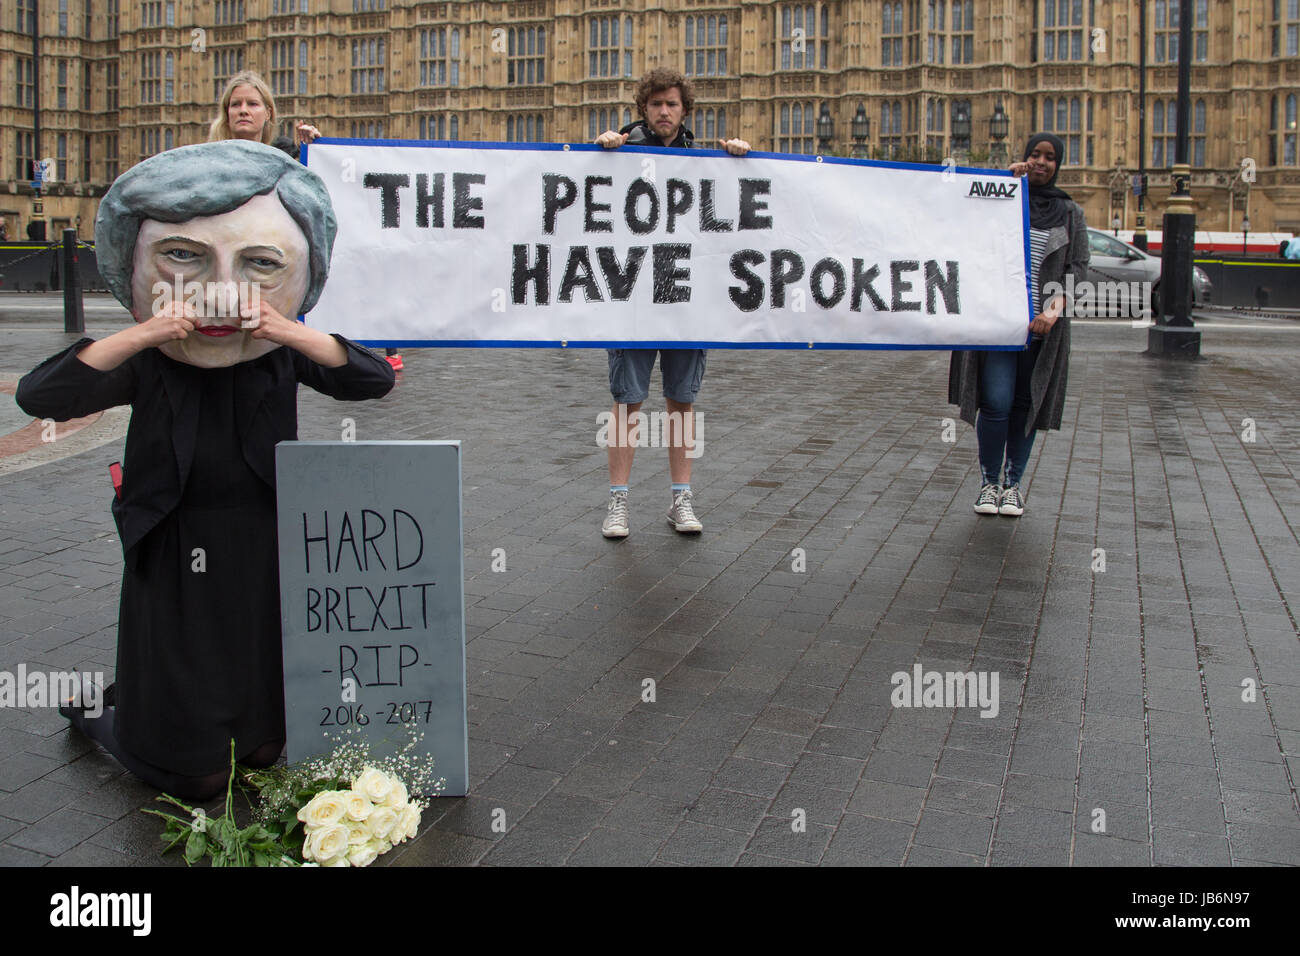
(217, 331)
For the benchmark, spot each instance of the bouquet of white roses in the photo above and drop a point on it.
(304, 814)
(354, 827)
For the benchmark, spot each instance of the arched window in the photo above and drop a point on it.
(1198, 134)
(891, 127)
(1289, 133)
(796, 128)
(803, 44)
(526, 55)
(439, 56)
(706, 45)
(604, 50)
(891, 29)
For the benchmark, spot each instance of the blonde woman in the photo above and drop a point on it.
(248, 112)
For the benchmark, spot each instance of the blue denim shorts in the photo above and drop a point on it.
(629, 374)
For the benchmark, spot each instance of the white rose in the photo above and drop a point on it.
(397, 797)
(381, 846)
(408, 823)
(362, 855)
(358, 833)
(374, 784)
(325, 808)
(358, 805)
(326, 842)
(340, 860)
(382, 821)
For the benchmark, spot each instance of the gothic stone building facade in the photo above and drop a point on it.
(111, 82)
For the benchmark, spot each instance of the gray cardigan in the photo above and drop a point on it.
(1067, 252)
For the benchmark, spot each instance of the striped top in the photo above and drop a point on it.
(1037, 252)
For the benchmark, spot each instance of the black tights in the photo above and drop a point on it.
(100, 730)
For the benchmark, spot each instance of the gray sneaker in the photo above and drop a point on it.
(682, 514)
(615, 525)
(988, 501)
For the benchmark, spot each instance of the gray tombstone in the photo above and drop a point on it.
(371, 598)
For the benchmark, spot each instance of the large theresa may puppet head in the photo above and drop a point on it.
(217, 226)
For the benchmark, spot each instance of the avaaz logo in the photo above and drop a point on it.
(997, 189)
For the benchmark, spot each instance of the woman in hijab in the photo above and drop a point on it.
(1017, 393)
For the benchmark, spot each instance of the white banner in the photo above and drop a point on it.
(495, 244)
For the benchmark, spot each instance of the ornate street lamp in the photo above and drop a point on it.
(999, 126)
(960, 128)
(825, 129)
(861, 128)
(1175, 333)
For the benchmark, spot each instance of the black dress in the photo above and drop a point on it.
(198, 658)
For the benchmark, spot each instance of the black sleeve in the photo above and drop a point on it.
(64, 387)
(365, 376)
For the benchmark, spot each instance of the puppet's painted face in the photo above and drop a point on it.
(216, 264)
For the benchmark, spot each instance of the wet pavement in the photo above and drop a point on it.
(1139, 619)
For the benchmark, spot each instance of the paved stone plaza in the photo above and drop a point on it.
(1126, 690)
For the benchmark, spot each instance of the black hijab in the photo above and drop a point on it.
(1048, 206)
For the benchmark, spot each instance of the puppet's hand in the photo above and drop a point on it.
(264, 322)
(173, 321)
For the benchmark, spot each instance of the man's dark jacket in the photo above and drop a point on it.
(639, 134)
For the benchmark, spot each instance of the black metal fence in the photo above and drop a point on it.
(38, 267)
(1253, 282)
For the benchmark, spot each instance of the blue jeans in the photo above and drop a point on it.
(1004, 409)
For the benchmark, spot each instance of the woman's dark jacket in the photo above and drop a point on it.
(1066, 253)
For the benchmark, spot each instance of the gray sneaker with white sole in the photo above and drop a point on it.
(682, 514)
